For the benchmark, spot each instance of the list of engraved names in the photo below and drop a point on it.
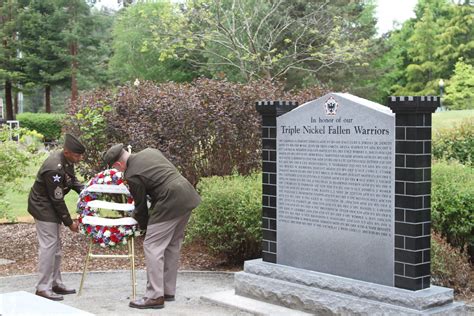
(342, 185)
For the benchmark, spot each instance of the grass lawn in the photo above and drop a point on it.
(18, 199)
(448, 119)
(17, 196)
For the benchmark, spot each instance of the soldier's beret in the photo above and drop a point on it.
(113, 154)
(73, 144)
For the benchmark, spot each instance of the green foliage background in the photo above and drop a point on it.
(437, 44)
(12, 165)
(228, 220)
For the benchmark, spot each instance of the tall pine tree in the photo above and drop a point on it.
(10, 63)
(423, 71)
(457, 38)
(59, 39)
(44, 56)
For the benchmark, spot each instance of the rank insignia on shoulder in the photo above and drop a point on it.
(58, 193)
(57, 178)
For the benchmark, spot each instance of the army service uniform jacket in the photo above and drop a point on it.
(54, 180)
(150, 175)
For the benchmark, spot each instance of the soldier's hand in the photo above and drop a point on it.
(74, 227)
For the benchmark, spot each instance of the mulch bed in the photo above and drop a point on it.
(18, 243)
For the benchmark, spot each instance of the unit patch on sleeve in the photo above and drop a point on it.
(58, 193)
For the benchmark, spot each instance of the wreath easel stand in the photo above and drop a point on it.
(108, 222)
(130, 255)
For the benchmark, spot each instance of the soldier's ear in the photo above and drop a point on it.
(119, 165)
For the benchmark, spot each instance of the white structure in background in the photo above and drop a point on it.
(20, 93)
(13, 125)
(1, 108)
(109, 4)
(441, 107)
(20, 102)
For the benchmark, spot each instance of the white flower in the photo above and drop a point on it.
(124, 241)
(107, 179)
(136, 83)
(100, 180)
(121, 229)
(111, 243)
(102, 245)
(119, 174)
(107, 233)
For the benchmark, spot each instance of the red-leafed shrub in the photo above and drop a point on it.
(207, 127)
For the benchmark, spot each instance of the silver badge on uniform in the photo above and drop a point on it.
(57, 178)
(58, 193)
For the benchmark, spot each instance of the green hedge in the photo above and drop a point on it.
(452, 202)
(48, 124)
(455, 143)
(205, 128)
(228, 220)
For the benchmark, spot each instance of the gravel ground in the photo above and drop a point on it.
(108, 293)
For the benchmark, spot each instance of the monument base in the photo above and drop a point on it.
(326, 294)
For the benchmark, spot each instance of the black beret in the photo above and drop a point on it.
(73, 144)
(113, 154)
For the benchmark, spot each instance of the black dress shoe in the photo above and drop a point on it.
(50, 295)
(145, 302)
(63, 290)
(169, 298)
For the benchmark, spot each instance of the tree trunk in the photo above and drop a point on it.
(47, 98)
(8, 100)
(15, 102)
(74, 92)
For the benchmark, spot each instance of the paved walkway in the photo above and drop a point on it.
(108, 293)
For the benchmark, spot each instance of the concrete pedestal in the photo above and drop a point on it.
(325, 294)
(24, 303)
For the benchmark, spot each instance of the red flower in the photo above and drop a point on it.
(114, 238)
(112, 172)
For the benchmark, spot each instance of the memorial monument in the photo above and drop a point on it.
(346, 208)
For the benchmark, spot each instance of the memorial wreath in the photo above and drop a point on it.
(106, 235)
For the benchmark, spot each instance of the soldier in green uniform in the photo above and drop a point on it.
(46, 204)
(150, 175)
